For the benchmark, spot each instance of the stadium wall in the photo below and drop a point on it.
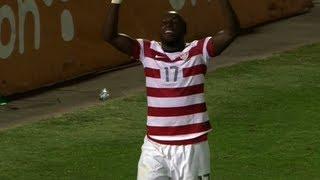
(44, 42)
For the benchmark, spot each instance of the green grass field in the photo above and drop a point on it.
(266, 116)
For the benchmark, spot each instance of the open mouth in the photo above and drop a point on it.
(168, 32)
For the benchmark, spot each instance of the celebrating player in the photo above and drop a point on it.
(176, 145)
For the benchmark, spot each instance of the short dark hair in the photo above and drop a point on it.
(184, 23)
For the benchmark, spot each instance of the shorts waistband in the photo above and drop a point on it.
(182, 142)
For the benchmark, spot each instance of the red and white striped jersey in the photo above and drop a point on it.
(177, 112)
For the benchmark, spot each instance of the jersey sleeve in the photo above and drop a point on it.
(138, 50)
(208, 49)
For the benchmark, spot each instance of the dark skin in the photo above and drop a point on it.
(172, 31)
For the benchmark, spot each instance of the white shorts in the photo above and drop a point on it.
(164, 162)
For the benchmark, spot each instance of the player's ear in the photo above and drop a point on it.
(185, 27)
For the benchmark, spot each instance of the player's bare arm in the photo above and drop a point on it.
(120, 41)
(224, 37)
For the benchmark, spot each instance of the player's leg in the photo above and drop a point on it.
(202, 150)
(152, 164)
(191, 162)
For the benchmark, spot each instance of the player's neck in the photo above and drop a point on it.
(174, 47)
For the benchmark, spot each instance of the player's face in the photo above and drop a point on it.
(172, 28)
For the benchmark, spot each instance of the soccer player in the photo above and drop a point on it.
(176, 145)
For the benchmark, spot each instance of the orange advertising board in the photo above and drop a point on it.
(44, 42)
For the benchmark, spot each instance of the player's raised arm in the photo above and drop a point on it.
(120, 41)
(223, 38)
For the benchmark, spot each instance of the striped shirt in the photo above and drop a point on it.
(177, 112)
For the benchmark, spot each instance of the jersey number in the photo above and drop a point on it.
(175, 74)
